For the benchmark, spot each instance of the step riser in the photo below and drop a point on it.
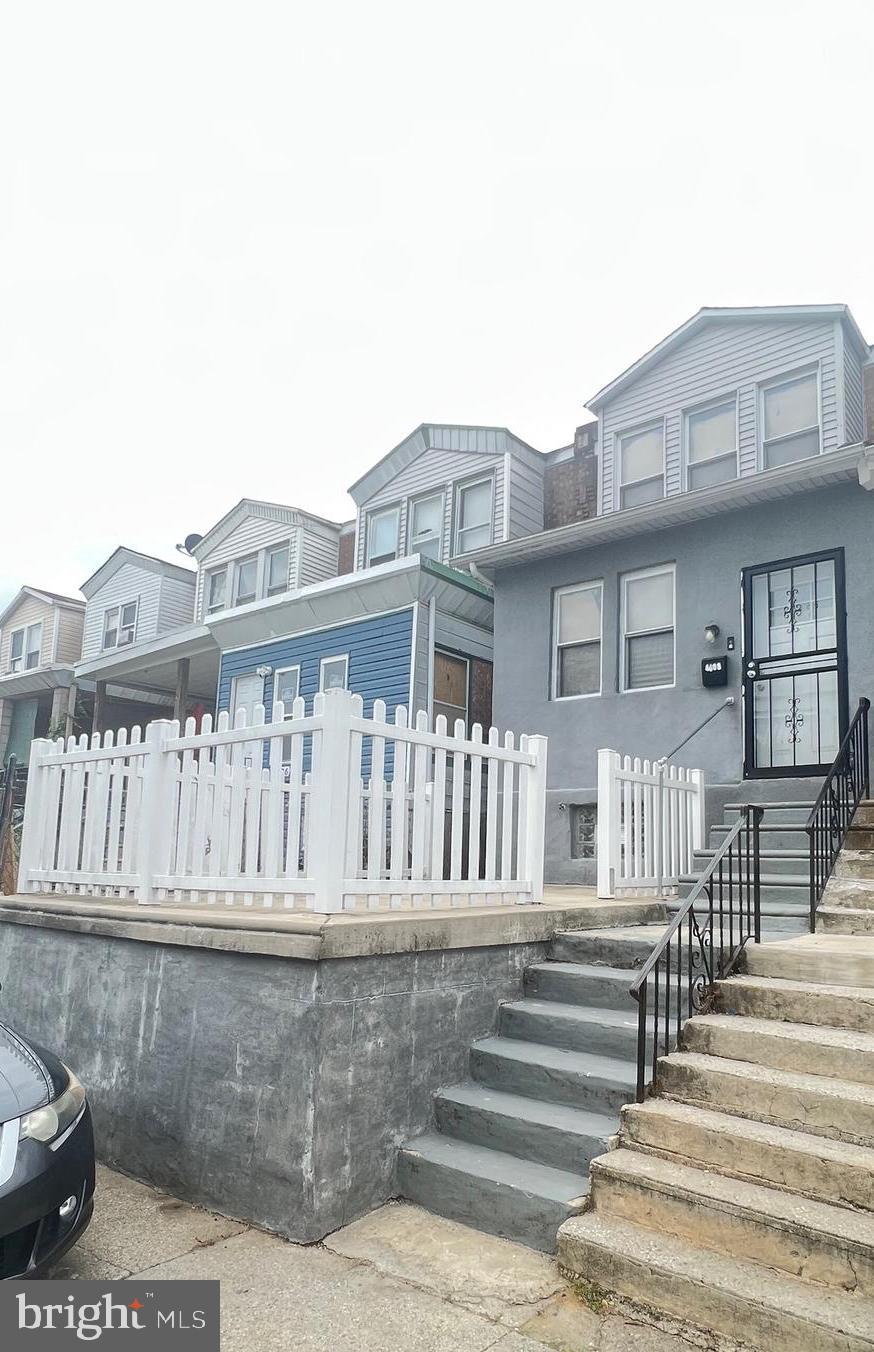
(776, 816)
(862, 869)
(791, 868)
(610, 951)
(864, 815)
(833, 1011)
(807, 1110)
(601, 1039)
(704, 1306)
(828, 969)
(481, 1203)
(605, 991)
(842, 921)
(856, 893)
(860, 838)
(788, 922)
(545, 1082)
(814, 1256)
(788, 895)
(527, 1140)
(776, 839)
(781, 1052)
(772, 1165)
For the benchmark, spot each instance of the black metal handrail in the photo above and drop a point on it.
(702, 944)
(846, 784)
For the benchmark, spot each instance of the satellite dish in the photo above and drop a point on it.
(191, 541)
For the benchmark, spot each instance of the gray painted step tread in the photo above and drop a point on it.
(660, 1255)
(559, 1115)
(763, 1204)
(556, 1058)
(584, 969)
(580, 1014)
(849, 1090)
(556, 1185)
(766, 880)
(650, 933)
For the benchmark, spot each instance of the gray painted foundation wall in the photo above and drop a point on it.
(275, 1090)
(709, 557)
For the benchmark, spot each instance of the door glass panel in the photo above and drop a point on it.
(829, 719)
(826, 615)
(803, 609)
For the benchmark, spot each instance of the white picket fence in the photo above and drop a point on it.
(650, 820)
(327, 812)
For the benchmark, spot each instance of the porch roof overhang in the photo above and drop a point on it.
(354, 596)
(850, 464)
(153, 667)
(21, 683)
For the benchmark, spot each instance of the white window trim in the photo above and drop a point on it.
(333, 657)
(597, 584)
(24, 629)
(784, 377)
(410, 516)
(120, 606)
(283, 671)
(623, 635)
(690, 412)
(461, 487)
(370, 518)
(235, 573)
(276, 549)
(209, 573)
(618, 438)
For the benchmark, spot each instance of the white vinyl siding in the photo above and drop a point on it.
(164, 603)
(251, 538)
(647, 624)
(176, 606)
(68, 645)
(317, 556)
(576, 640)
(724, 356)
(854, 406)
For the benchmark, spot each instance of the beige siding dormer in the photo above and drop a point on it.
(49, 629)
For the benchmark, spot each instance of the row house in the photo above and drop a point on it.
(40, 642)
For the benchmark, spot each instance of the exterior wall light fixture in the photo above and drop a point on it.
(711, 633)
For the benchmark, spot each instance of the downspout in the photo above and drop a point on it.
(432, 634)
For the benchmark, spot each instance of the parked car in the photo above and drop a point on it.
(46, 1157)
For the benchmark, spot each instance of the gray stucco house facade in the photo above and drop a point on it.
(735, 528)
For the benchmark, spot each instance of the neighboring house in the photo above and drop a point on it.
(734, 523)
(40, 640)
(131, 600)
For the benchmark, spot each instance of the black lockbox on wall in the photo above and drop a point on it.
(714, 671)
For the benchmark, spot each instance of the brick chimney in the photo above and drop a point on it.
(570, 485)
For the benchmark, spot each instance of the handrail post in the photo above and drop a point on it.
(607, 829)
(758, 813)
(535, 824)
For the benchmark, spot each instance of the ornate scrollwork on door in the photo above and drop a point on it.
(792, 609)
(794, 720)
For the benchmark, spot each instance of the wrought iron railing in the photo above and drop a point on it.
(846, 784)
(702, 944)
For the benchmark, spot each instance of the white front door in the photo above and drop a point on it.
(246, 692)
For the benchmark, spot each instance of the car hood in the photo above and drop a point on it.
(29, 1076)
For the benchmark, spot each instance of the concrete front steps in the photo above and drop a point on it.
(847, 905)
(740, 1199)
(510, 1148)
(784, 864)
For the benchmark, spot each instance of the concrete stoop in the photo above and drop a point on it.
(740, 1197)
(847, 906)
(510, 1148)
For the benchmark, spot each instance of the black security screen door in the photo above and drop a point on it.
(795, 665)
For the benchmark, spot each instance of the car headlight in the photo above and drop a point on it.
(44, 1124)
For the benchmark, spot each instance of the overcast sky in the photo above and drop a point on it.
(244, 250)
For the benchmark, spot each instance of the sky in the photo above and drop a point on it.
(246, 249)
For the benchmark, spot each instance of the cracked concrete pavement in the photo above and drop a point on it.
(399, 1280)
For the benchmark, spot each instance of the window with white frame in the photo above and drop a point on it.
(276, 571)
(647, 608)
(642, 465)
(790, 419)
(286, 686)
(425, 530)
(473, 515)
(383, 530)
(216, 590)
(25, 647)
(576, 658)
(246, 580)
(711, 444)
(334, 672)
(120, 625)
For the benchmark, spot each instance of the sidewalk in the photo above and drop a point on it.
(399, 1280)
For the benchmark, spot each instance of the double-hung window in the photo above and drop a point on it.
(642, 465)
(711, 444)
(426, 526)
(246, 580)
(576, 659)
(647, 607)
(473, 516)
(276, 571)
(334, 672)
(216, 590)
(25, 647)
(120, 625)
(790, 420)
(383, 530)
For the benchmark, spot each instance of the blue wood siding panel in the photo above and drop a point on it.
(379, 649)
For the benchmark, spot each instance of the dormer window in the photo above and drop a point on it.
(473, 517)
(25, 647)
(216, 590)
(383, 530)
(642, 465)
(711, 444)
(120, 625)
(277, 570)
(790, 420)
(426, 526)
(246, 581)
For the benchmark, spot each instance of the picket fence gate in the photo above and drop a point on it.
(650, 822)
(327, 812)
